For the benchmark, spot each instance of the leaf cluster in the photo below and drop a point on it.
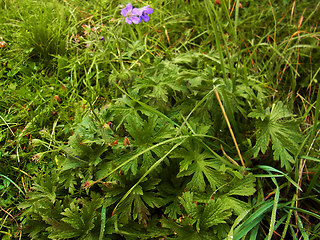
(100, 177)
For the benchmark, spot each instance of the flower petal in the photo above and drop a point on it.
(128, 20)
(145, 17)
(148, 11)
(124, 12)
(129, 7)
(136, 11)
(135, 19)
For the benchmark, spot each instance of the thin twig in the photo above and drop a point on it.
(229, 158)
(9, 215)
(230, 128)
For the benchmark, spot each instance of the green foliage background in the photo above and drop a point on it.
(199, 124)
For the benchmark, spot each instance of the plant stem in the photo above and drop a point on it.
(229, 126)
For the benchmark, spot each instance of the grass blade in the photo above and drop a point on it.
(1, 175)
(274, 210)
(145, 174)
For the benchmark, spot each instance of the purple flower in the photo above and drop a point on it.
(132, 14)
(102, 38)
(144, 13)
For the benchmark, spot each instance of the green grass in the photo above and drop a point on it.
(201, 123)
